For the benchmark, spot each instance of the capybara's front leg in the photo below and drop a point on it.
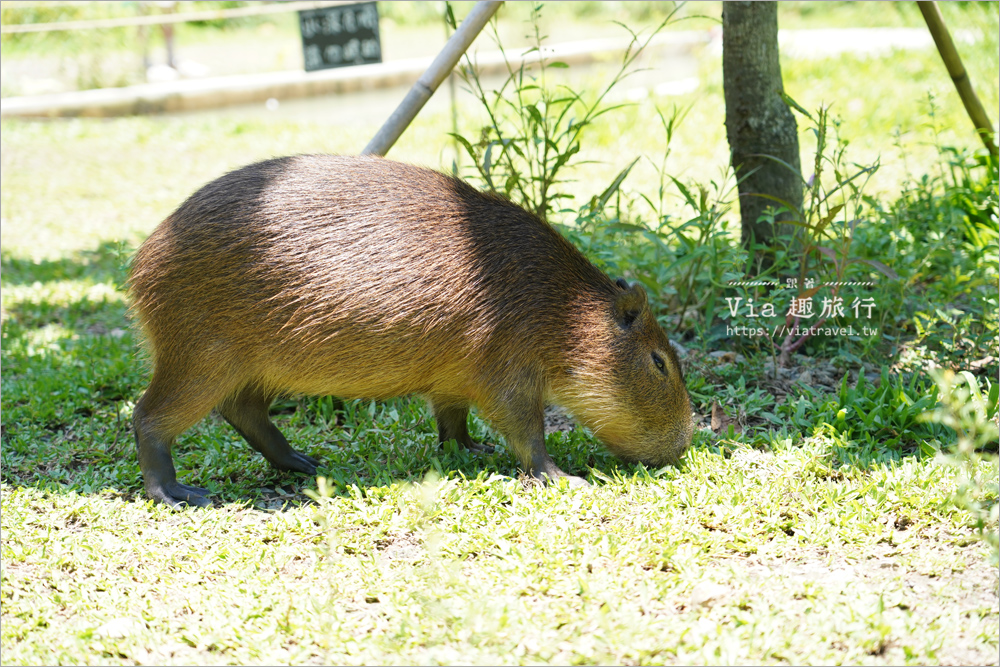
(521, 419)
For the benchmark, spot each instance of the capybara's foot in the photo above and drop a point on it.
(481, 447)
(295, 461)
(178, 496)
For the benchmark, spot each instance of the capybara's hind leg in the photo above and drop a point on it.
(246, 411)
(164, 411)
(453, 425)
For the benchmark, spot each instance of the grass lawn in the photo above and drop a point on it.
(814, 521)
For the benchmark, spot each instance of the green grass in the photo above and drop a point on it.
(856, 565)
(823, 522)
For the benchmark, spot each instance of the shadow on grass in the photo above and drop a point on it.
(66, 413)
(95, 454)
(105, 263)
(77, 296)
(72, 370)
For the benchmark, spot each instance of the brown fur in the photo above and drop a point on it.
(364, 278)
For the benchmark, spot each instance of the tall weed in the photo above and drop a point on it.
(535, 129)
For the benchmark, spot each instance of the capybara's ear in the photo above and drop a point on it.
(630, 303)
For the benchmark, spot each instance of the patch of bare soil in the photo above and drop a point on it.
(920, 586)
(556, 419)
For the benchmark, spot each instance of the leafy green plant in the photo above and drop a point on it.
(956, 199)
(819, 250)
(970, 410)
(685, 259)
(535, 129)
(941, 235)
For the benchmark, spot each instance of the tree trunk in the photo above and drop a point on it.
(758, 122)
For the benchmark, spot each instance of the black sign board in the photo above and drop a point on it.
(340, 36)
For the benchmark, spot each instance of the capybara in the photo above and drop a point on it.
(359, 277)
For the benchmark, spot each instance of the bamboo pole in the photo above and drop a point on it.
(946, 47)
(429, 81)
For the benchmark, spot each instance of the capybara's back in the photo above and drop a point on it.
(364, 278)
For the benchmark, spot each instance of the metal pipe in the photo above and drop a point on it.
(432, 78)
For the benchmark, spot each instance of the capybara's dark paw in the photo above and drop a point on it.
(480, 447)
(297, 462)
(178, 496)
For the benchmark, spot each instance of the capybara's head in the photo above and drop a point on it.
(627, 382)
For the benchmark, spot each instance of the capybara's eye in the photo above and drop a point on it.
(659, 363)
